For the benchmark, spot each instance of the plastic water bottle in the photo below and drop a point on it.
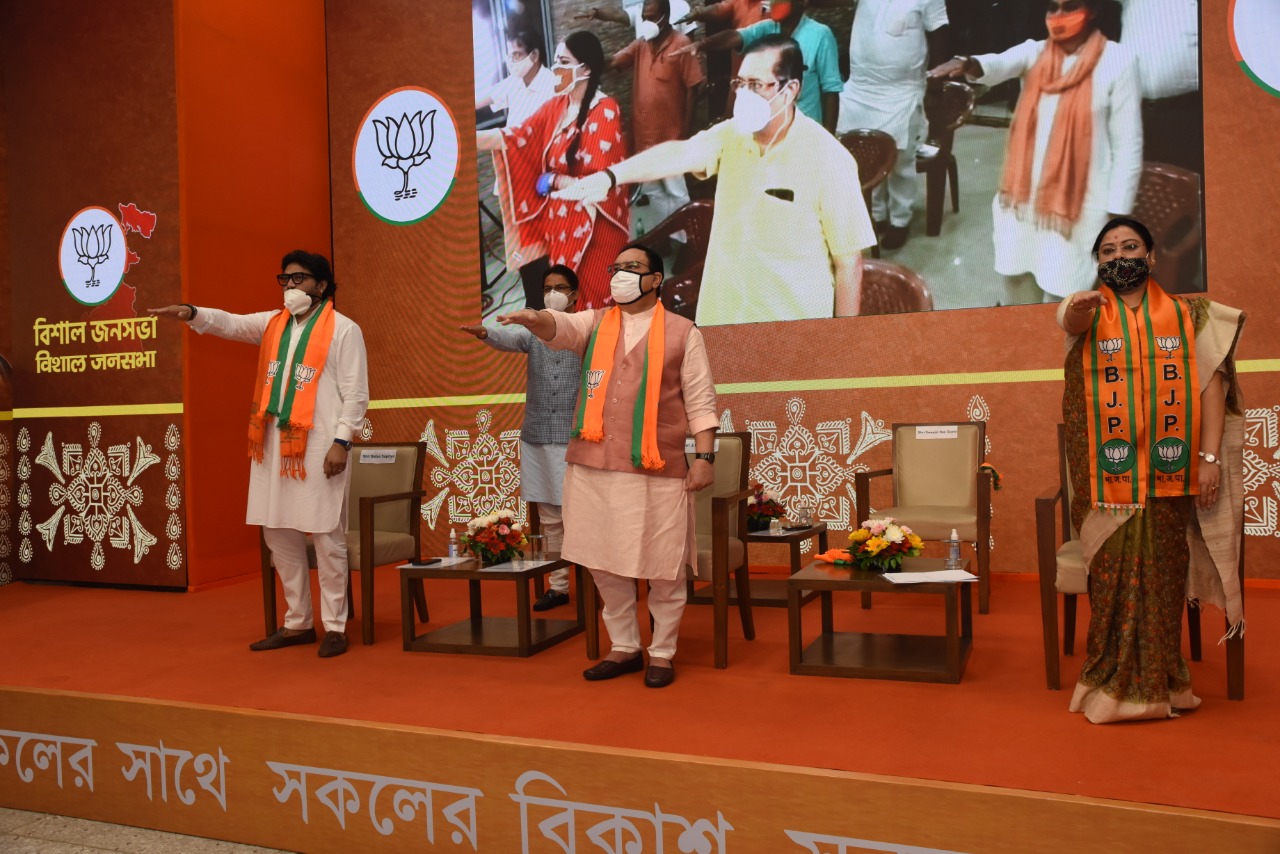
(453, 543)
(953, 550)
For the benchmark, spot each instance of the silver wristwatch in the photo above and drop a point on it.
(1210, 458)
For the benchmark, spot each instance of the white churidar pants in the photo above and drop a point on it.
(289, 551)
(666, 604)
(552, 522)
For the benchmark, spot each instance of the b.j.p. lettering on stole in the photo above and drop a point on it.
(613, 830)
(46, 754)
(340, 792)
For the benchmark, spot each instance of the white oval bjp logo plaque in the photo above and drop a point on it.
(405, 157)
(91, 255)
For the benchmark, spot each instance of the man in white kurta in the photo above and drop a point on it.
(626, 525)
(287, 508)
(888, 51)
(1062, 264)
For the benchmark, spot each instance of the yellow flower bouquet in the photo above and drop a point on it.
(881, 544)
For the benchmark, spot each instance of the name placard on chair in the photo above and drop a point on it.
(941, 431)
(378, 456)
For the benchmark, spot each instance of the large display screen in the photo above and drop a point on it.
(984, 188)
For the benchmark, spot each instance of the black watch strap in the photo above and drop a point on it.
(346, 443)
(709, 457)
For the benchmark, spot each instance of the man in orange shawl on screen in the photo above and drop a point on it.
(309, 399)
(628, 503)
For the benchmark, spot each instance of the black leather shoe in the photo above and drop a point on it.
(278, 640)
(659, 677)
(894, 237)
(334, 643)
(551, 599)
(609, 669)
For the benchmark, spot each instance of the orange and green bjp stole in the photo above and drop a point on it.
(295, 410)
(1141, 396)
(597, 365)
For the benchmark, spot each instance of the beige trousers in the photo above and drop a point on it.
(289, 551)
(666, 604)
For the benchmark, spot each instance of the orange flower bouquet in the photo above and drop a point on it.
(881, 544)
(495, 538)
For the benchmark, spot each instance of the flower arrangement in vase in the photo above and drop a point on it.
(881, 544)
(495, 538)
(763, 506)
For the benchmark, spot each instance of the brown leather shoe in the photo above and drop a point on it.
(278, 639)
(609, 669)
(659, 677)
(334, 643)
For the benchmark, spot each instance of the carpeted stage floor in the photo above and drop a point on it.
(999, 727)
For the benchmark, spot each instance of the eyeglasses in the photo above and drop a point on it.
(1127, 246)
(296, 278)
(628, 267)
(755, 86)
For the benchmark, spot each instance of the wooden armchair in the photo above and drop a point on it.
(1060, 561)
(722, 539)
(936, 488)
(383, 524)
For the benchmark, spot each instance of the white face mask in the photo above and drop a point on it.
(519, 67)
(296, 302)
(556, 300)
(625, 287)
(751, 112)
(647, 30)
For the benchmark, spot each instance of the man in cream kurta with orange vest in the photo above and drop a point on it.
(309, 399)
(628, 508)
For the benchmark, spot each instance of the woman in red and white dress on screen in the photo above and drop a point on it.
(578, 132)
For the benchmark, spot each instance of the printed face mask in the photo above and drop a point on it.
(625, 287)
(296, 302)
(1066, 25)
(564, 84)
(1123, 275)
(556, 300)
(751, 111)
(779, 10)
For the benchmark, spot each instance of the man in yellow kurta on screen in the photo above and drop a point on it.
(309, 399)
(628, 503)
(790, 223)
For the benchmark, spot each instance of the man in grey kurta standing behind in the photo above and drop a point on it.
(310, 397)
(551, 391)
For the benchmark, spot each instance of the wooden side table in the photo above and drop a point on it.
(520, 635)
(772, 592)
(868, 655)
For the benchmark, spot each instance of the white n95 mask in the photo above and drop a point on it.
(296, 302)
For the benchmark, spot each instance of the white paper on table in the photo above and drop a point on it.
(440, 561)
(926, 577)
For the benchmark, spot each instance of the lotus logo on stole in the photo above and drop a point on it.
(1170, 454)
(1117, 457)
(303, 374)
(594, 378)
(405, 157)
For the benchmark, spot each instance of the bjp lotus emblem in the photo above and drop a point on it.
(1110, 346)
(1170, 344)
(93, 246)
(1117, 456)
(405, 157)
(405, 144)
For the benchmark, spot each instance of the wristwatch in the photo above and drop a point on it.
(1210, 458)
(709, 457)
(345, 443)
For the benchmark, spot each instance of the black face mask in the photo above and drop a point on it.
(1123, 275)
